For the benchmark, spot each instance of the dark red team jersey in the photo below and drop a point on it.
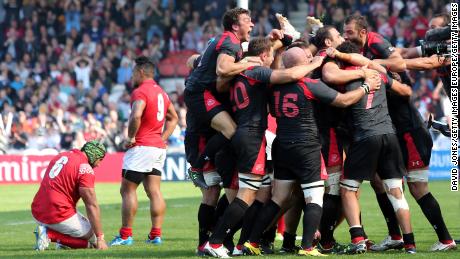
(153, 118)
(403, 112)
(58, 194)
(249, 98)
(292, 106)
(204, 74)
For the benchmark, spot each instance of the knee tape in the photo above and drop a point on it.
(212, 178)
(314, 191)
(251, 182)
(332, 182)
(420, 176)
(351, 185)
(397, 203)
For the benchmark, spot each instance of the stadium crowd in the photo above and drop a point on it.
(66, 65)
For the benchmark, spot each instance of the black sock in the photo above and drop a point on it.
(409, 240)
(215, 143)
(268, 236)
(228, 241)
(222, 205)
(267, 214)
(357, 234)
(233, 214)
(362, 226)
(311, 219)
(389, 214)
(288, 240)
(432, 211)
(331, 208)
(205, 222)
(248, 221)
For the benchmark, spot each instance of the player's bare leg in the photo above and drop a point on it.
(128, 203)
(417, 181)
(394, 239)
(157, 206)
(393, 188)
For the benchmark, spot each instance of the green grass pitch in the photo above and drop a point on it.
(180, 226)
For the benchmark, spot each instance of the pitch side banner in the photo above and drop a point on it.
(17, 169)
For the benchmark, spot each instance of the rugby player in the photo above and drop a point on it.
(151, 122)
(249, 104)
(296, 149)
(68, 178)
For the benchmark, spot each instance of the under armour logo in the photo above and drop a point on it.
(228, 231)
(210, 102)
(206, 158)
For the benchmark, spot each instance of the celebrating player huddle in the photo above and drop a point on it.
(342, 113)
(348, 101)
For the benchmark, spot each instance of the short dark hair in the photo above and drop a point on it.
(145, 64)
(231, 17)
(444, 16)
(361, 22)
(301, 43)
(349, 47)
(321, 35)
(258, 46)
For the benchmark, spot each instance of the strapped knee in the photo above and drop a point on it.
(351, 185)
(249, 181)
(212, 178)
(420, 176)
(332, 182)
(398, 203)
(314, 191)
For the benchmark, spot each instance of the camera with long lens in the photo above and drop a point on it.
(435, 42)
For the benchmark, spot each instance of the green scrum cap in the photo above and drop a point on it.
(94, 150)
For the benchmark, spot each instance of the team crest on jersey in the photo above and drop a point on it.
(85, 169)
(210, 102)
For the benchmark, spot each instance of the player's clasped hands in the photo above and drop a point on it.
(372, 78)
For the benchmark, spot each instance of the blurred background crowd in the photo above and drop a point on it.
(65, 65)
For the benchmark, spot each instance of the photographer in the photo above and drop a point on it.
(416, 61)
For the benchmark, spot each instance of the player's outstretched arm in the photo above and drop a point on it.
(355, 59)
(332, 74)
(425, 63)
(170, 123)
(88, 196)
(281, 76)
(394, 62)
(226, 65)
(352, 97)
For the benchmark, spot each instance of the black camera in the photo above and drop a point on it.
(440, 48)
(435, 42)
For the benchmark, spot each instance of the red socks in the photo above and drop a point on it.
(155, 232)
(126, 232)
(66, 240)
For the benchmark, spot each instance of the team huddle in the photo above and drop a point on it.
(284, 126)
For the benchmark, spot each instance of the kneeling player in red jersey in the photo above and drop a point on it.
(68, 178)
